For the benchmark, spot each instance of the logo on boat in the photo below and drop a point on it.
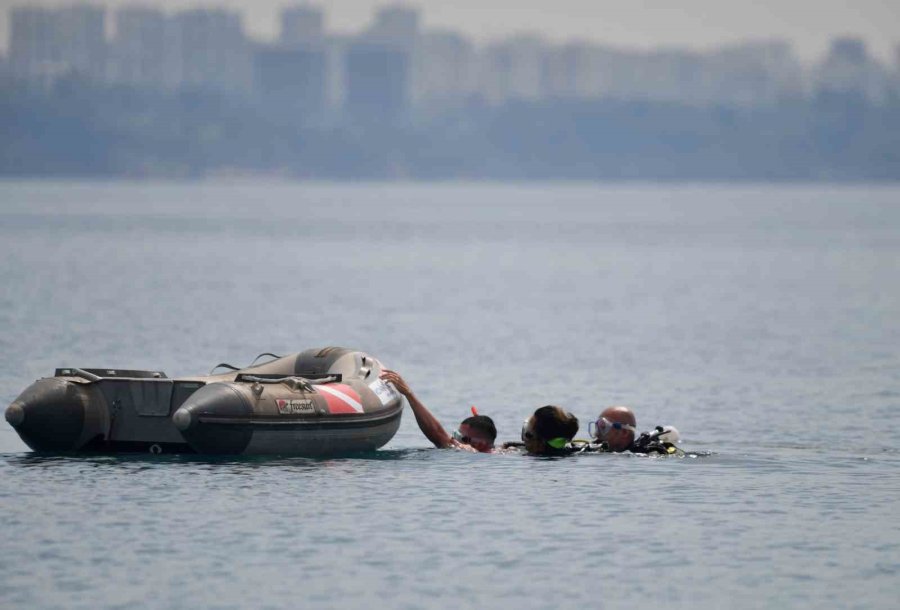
(340, 398)
(294, 407)
(383, 391)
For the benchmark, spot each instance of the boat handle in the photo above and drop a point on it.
(82, 373)
(302, 382)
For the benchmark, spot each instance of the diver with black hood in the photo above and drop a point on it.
(549, 431)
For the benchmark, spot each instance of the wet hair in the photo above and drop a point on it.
(482, 423)
(553, 422)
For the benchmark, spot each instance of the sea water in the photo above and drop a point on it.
(761, 320)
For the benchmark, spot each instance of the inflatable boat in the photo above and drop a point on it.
(318, 402)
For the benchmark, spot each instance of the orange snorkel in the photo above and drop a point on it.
(474, 410)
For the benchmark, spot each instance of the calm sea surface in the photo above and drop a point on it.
(762, 321)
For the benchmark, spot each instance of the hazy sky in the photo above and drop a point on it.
(630, 23)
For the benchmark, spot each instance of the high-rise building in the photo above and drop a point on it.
(336, 72)
(210, 51)
(46, 43)
(896, 73)
(512, 69)
(745, 74)
(444, 70)
(752, 74)
(560, 72)
(850, 72)
(83, 34)
(295, 76)
(5, 76)
(291, 80)
(583, 71)
(674, 75)
(301, 24)
(138, 50)
(378, 80)
(396, 24)
(378, 65)
(33, 45)
(850, 50)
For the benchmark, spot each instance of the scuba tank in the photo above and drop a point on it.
(661, 441)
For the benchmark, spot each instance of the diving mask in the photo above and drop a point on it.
(600, 428)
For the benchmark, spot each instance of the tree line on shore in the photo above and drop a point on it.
(76, 131)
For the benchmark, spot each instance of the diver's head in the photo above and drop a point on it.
(615, 427)
(477, 431)
(549, 430)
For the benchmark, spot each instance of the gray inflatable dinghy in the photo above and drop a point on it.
(315, 403)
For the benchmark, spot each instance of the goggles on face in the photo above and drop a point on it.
(602, 427)
(528, 434)
(468, 440)
(459, 436)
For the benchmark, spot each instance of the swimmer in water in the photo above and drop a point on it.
(615, 427)
(476, 433)
(615, 430)
(549, 431)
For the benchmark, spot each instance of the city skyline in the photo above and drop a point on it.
(91, 90)
(402, 64)
(614, 23)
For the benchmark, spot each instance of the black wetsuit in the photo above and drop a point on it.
(647, 443)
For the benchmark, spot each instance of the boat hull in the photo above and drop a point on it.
(315, 403)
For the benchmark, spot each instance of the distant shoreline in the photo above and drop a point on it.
(110, 134)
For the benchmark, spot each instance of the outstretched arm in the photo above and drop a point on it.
(428, 423)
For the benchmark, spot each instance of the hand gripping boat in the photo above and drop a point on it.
(319, 402)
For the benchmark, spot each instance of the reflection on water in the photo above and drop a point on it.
(124, 464)
(128, 461)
